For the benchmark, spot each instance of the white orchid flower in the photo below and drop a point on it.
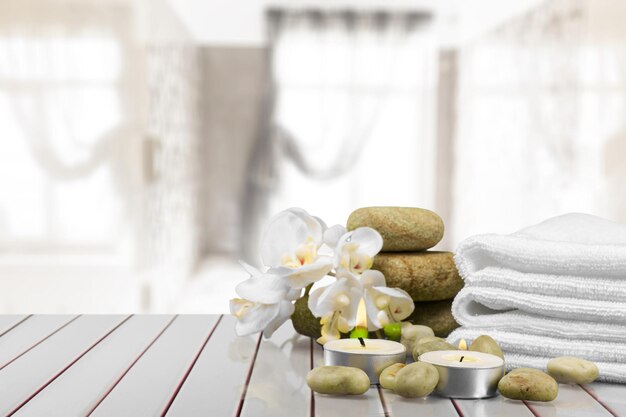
(291, 251)
(254, 317)
(266, 287)
(336, 305)
(290, 246)
(356, 250)
(265, 304)
(384, 305)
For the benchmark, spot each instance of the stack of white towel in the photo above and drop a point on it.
(557, 288)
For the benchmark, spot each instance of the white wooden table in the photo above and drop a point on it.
(156, 365)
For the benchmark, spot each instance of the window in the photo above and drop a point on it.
(63, 106)
(356, 92)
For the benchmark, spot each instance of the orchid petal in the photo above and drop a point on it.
(321, 301)
(393, 292)
(313, 301)
(309, 273)
(333, 234)
(285, 232)
(285, 310)
(401, 305)
(329, 330)
(343, 325)
(369, 240)
(252, 317)
(373, 322)
(351, 311)
(372, 278)
(252, 270)
(385, 305)
(332, 298)
(352, 278)
(320, 221)
(294, 294)
(355, 250)
(264, 288)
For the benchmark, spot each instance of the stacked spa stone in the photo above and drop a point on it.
(430, 277)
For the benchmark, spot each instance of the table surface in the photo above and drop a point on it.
(195, 365)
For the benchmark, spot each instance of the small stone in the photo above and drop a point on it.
(486, 344)
(572, 370)
(412, 333)
(431, 339)
(528, 384)
(402, 228)
(426, 276)
(387, 377)
(338, 380)
(422, 347)
(416, 379)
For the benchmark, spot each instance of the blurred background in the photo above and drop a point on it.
(143, 144)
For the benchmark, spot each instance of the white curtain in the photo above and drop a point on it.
(541, 119)
(100, 130)
(353, 98)
(68, 111)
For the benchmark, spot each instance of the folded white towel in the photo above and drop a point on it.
(557, 288)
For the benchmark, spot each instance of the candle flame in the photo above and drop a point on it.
(462, 344)
(361, 315)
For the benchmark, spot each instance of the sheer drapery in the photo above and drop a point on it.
(68, 111)
(352, 98)
(541, 103)
(100, 126)
(333, 73)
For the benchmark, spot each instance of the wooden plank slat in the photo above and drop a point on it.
(189, 369)
(28, 334)
(9, 322)
(278, 386)
(149, 385)
(572, 401)
(79, 389)
(221, 368)
(610, 396)
(430, 406)
(488, 407)
(368, 404)
(24, 377)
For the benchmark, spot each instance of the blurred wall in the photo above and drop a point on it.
(233, 92)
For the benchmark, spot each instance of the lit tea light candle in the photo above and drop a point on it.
(466, 374)
(370, 355)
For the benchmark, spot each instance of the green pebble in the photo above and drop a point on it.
(427, 339)
(486, 344)
(416, 379)
(387, 377)
(338, 380)
(572, 370)
(528, 384)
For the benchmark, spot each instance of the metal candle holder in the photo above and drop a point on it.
(457, 379)
(373, 357)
